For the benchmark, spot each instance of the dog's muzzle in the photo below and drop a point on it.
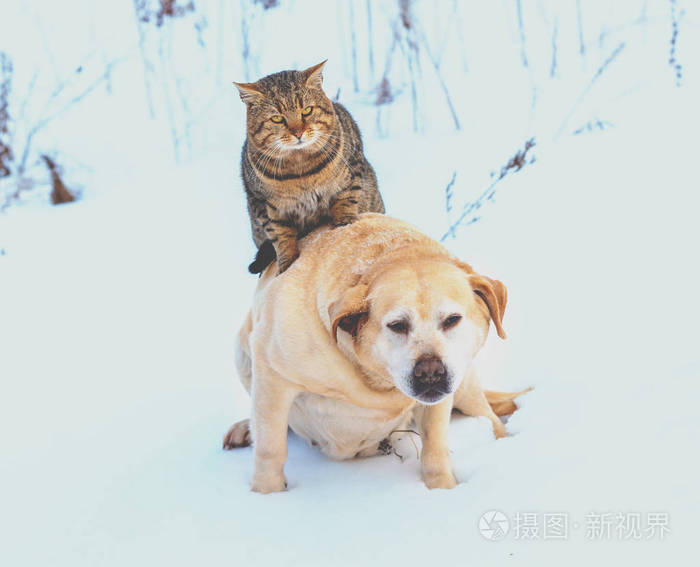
(430, 381)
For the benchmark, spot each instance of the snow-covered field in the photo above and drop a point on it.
(118, 313)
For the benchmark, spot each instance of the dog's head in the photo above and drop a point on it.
(418, 326)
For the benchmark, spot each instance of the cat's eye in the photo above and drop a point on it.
(276, 118)
(308, 110)
(400, 327)
(451, 321)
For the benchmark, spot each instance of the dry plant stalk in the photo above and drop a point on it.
(468, 216)
(592, 82)
(60, 193)
(267, 4)
(166, 9)
(6, 155)
(672, 58)
(384, 95)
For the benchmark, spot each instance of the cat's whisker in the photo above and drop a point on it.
(274, 153)
(278, 161)
(322, 148)
(264, 154)
(335, 151)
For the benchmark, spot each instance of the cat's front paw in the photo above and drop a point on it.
(344, 219)
(284, 263)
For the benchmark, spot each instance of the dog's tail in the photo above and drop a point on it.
(502, 402)
(265, 256)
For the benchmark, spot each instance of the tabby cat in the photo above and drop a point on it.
(302, 164)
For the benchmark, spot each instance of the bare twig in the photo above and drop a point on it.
(553, 67)
(523, 54)
(672, 59)
(44, 120)
(410, 51)
(353, 47)
(595, 77)
(267, 4)
(6, 154)
(370, 43)
(581, 42)
(200, 27)
(165, 9)
(384, 90)
(29, 94)
(415, 447)
(147, 66)
(591, 125)
(449, 193)
(169, 104)
(443, 85)
(245, 39)
(468, 215)
(384, 94)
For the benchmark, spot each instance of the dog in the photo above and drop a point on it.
(373, 326)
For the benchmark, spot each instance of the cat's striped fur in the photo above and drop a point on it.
(302, 163)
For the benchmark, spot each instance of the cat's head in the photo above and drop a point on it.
(288, 111)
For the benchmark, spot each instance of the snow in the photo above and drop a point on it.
(119, 311)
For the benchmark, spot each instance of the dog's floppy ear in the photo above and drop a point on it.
(495, 295)
(349, 312)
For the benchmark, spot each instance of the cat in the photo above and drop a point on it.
(302, 164)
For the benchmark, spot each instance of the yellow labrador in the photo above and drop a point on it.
(373, 326)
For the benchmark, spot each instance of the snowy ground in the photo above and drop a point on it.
(117, 380)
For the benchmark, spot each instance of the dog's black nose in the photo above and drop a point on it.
(429, 371)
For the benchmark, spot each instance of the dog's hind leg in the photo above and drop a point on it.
(242, 353)
(239, 433)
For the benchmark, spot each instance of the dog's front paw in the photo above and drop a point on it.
(268, 483)
(440, 480)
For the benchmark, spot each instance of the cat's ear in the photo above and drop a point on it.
(314, 75)
(249, 92)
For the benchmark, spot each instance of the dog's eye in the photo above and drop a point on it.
(451, 321)
(400, 327)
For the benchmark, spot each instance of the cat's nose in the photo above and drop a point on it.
(297, 131)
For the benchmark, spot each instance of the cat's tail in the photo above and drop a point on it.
(263, 258)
